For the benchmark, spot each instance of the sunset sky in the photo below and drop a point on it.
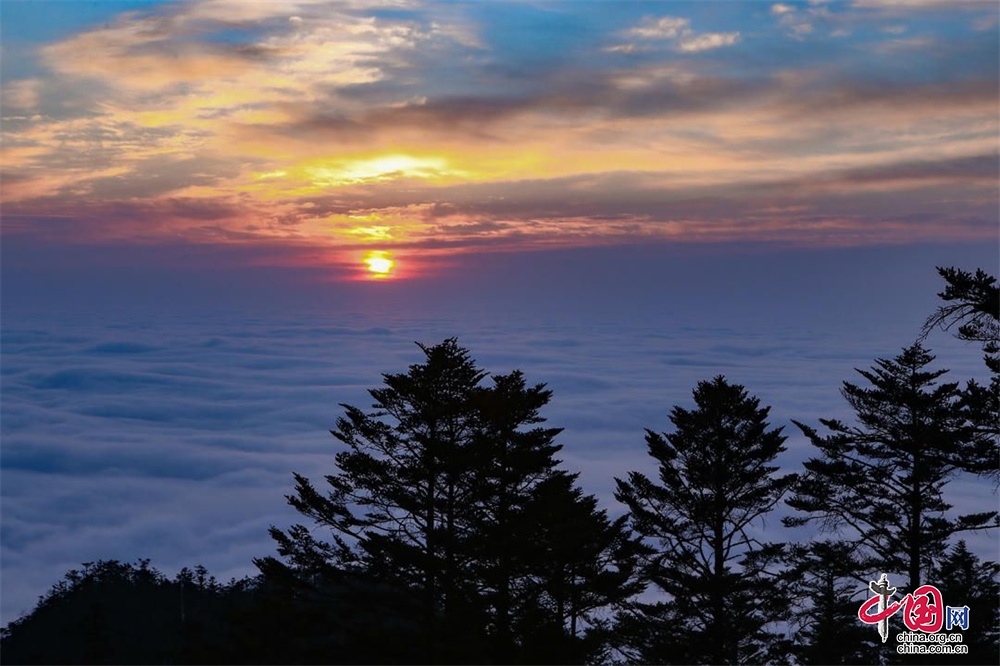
(309, 134)
(219, 220)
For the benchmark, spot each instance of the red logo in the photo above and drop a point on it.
(923, 609)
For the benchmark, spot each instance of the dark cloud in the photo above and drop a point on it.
(451, 113)
(569, 95)
(161, 175)
(898, 97)
(572, 92)
(97, 220)
(974, 168)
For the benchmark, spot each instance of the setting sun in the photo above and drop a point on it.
(379, 263)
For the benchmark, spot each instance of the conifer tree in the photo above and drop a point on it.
(826, 591)
(972, 311)
(113, 612)
(450, 493)
(973, 305)
(966, 581)
(883, 479)
(393, 506)
(546, 557)
(716, 482)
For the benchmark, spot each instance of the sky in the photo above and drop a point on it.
(219, 220)
(308, 134)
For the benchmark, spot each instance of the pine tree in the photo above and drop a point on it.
(583, 565)
(393, 506)
(449, 492)
(973, 312)
(973, 304)
(546, 557)
(965, 581)
(112, 612)
(824, 586)
(981, 409)
(883, 479)
(716, 484)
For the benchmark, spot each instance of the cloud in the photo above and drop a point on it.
(21, 94)
(707, 41)
(172, 433)
(678, 31)
(667, 27)
(985, 23)
(200, 124)
(797, 21)
(906, 44)
(907, 5)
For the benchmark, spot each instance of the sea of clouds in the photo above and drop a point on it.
(174, 437)
(147, 411)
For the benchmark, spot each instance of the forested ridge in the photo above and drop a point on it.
(449, 531)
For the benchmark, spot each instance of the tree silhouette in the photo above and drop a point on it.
(883, 479)
(112, 612)
(973, 304)
(395, 505)
(716, 482)
(450, 493)
(348, 618)
(545, 557)
(965, 581)
(827, 591)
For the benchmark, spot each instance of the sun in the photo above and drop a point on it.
(379, 264)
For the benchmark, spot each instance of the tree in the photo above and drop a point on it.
(349, 618)
(716, 484)
(965, 581)
(546, 558)
(826, 592)
(981, 409)
(111, 612)
(974, 305)
(394, 505)
(883, 480)
(449, 494)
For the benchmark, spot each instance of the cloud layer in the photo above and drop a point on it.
(163, 432)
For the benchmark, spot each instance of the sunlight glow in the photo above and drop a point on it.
(377, 169)
(379, 264)
(372, 233)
